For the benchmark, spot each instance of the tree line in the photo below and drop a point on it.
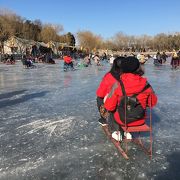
(123, 42)
(13, 25)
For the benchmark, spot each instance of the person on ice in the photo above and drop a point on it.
(134, 83)
(104, 88)
(111, 60)
(87, 60)
(68, 62)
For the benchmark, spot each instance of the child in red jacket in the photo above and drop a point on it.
(68, 62)
(133, 84)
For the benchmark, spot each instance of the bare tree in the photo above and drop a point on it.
(89, 40)
(6, 27)
(50, 32)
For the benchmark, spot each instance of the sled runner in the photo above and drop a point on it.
(122, 145)
(117, 144)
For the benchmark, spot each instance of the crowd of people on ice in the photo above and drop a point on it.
(37, 55)
(8, 59)
(89, 59)
(29, 61)
(161, 58)
(84, 59)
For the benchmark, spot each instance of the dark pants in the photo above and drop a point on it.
(114, 126)
(68, 65)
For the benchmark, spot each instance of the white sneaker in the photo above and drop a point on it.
(117, 136)
(128, 135)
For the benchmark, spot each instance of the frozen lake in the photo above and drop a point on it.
(49, 126)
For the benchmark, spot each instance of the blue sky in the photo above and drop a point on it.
(103, 17)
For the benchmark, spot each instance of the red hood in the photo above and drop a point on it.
(133, 83)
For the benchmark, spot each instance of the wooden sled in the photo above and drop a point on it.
(138, 141)
(122, 146)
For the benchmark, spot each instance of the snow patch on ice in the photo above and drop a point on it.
(56, 127)
(22, 169)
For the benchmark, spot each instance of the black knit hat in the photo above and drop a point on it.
(130, 64)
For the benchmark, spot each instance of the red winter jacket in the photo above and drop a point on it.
(67, 59)
(105, 85)
(133, 84)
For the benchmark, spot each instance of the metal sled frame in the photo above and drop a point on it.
(117, 144)
(137, 140)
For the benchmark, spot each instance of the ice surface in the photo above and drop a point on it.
(49, 126)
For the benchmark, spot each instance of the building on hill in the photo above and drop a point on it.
(16, 45)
